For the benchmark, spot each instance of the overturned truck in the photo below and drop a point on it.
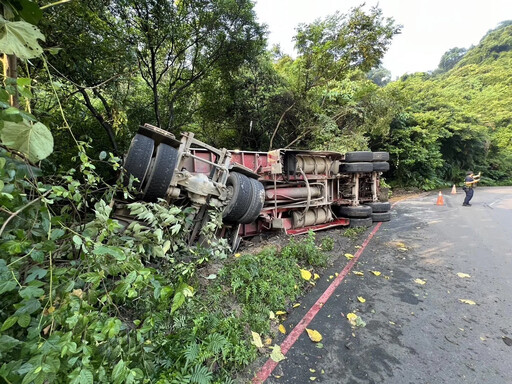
(290, 190)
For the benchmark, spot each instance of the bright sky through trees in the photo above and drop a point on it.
(430, 27)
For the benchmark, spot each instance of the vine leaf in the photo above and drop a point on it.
(20, 38)
(32, 139)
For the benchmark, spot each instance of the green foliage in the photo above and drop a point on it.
(353, 233)
(270, 280)
(455, 121)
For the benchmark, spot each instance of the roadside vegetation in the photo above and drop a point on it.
(85, 298)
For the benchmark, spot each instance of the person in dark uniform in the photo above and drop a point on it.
(469, 183)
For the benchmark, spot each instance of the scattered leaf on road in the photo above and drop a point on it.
(276, 354)
(280, 313)
(358, 273)
(315, 336)
(282, 329)
(296, 305)
(271, 315)
(238, 254)
(419, 281)
(462, 275)
(376, 273)
(306, 275)
(349, 256)
(352, 318)
(319, 345)
(466, 301)
(361, 299)
(256, 340)
(312, 378)
(316, 276)
(268, 341)
(312, 370)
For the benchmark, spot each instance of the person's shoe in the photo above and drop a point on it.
(466, 205)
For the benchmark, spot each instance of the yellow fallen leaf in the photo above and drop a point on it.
(312, 370)
(466, 301)
(312, 378)
(336, 274)
(296, 305)
(277, 376)
(358, 273)
(361, 299)
(482, 338)
(376, 273)
(399, 244)
(276, 354)
(402, 249)
(256, 340)
(419, 281)
(349, 256)
(352, 317)
(315, 336)
(387, 277)
(271, 315)
(78, 293)
(462, 275)
(268, 341)
(238, 254)
(306, 275)
(279, 313)
(392, 323)
(330, 277)
(358, 247)
(282, 329)
(316, 276)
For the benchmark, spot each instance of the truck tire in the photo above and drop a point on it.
(138, 159)
(381, 216)
(161, 175)
(379, 206)
(241, 191)
(359, 211)
(380, 166)
(258, 199)
(356, 167)
(366, 222)
(358, 156)
(380, 156)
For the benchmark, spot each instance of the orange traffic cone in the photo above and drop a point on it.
(454, 190)
(440, 199)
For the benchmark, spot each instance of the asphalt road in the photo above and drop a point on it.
(418, 333)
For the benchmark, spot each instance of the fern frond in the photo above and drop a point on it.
(201, 375)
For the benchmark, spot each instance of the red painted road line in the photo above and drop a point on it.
(270, 365)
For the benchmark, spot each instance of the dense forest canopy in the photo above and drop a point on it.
(85, 300)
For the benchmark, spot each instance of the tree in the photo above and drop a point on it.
(450, 58)
(178, 43)
(380, 76)
(329, 48)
